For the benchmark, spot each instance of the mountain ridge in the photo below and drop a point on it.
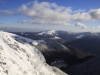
(17, 58)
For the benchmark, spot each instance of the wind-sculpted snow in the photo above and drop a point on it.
(18, 57)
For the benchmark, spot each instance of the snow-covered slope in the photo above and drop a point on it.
(46, 33)
(79, 37)
(52, 34)
(18, 56)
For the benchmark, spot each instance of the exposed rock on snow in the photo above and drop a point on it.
(18, 57)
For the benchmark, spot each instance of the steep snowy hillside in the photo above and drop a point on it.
(18, 56)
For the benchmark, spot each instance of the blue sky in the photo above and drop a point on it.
(71, 15)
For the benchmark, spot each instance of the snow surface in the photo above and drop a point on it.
(45, 33)
(49, 33)
(18, 57)
(79, 37)
(55, 37)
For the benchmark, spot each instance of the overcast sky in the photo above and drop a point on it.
(71, 15)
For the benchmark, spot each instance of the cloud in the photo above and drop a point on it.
(95, 14)
(79, 11)
(24, 21)
(20, 29)
(6, 12)
(82, 26)
(80, 17)
(38, 21)
(46, 11)
(51, 13)
(95, 27)
(92, 27)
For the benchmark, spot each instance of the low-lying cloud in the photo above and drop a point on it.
(82, 26)
(95, 27)
(6, 12)
(44, 22)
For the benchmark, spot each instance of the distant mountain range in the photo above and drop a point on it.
(90, 44)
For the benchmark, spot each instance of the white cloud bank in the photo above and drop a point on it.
(95, 27)
(45, 22)
(82, 26)
(51, 13)
(6, 12)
